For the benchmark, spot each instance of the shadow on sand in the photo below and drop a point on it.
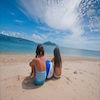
(28, 83)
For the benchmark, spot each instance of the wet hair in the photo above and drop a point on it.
(57, 57)
(39, 50)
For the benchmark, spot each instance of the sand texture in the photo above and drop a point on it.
(80, 79)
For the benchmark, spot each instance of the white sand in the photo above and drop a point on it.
(80, 80)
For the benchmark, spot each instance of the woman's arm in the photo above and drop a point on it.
(32, 64)
(52, 60)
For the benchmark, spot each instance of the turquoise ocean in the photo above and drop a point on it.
(17, 45)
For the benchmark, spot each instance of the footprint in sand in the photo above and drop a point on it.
(82, 80)
(75, 72)
(81, 73)
(66, 68)
(18, 77)
(75, 78)
(11, 98)
(68, 79)
(37, 97)
(98, 64)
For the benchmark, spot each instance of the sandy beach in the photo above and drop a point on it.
(80, 79)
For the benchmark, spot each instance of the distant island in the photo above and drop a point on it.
(15, 39)
(22, 41)
(12, 44)
(49, 43)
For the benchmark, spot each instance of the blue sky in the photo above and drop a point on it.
(74, 23)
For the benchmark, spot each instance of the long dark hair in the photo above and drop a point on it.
(39, 49)
(57, 57)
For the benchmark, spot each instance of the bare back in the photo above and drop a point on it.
(39, 64)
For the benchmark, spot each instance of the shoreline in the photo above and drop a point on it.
(49, 56)
(20, 53)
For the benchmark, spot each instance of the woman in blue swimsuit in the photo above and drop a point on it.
(38, 66)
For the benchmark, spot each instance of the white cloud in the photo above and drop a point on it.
(88, 9)
(36, 37)
(39, 37)
(91, 43)
(62, 15)
(15, 34)
(19, 21)
(94, 24)
(58, 14)
(12, 13)
(91, 12)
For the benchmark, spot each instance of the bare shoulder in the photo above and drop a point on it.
(32, 63)
(36, 59)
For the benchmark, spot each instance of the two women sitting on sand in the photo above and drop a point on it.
(39, 68)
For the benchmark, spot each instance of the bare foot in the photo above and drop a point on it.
(31, 75)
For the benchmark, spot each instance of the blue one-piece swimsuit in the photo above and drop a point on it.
(40, 77)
